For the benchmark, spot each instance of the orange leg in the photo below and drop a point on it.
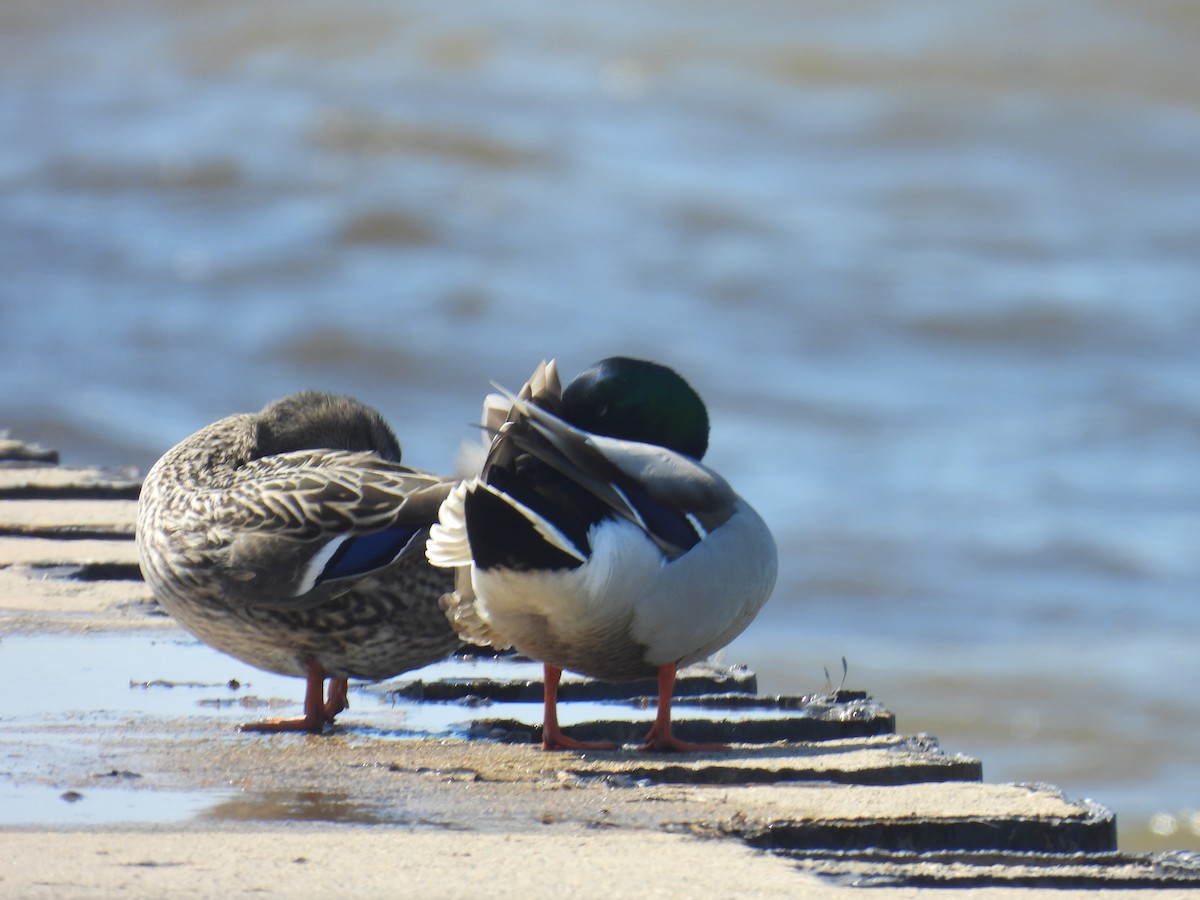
(339, 697)
(552, 736)
(317, 713)
(660, 737)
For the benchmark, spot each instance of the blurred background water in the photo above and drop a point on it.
(933, 265)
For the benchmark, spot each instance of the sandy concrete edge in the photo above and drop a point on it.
(359, 862)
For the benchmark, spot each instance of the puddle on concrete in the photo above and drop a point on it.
(101, 676)
(39, 805)
(306, 806)
(55, 683)
(58, 682)
(110, 676)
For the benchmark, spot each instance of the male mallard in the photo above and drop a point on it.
(291, 539)
(597, 542)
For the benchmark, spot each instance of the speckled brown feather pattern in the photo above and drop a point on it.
(224, 534)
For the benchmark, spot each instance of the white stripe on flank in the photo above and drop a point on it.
(316, 565)
(637, 516)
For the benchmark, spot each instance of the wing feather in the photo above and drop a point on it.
(675, 500)
(311, 521)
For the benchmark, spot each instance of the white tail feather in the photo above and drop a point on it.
(447, 546)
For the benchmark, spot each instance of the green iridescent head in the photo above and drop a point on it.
(638, 400)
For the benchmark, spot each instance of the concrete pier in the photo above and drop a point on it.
(432, 784)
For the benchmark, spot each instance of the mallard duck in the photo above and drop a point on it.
(292, 539)
(596, 541)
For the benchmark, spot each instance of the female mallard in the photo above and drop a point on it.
(597, 542)
(291, 539)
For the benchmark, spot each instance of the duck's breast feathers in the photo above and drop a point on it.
(706, 597)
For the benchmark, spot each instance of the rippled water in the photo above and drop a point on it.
(933, 265)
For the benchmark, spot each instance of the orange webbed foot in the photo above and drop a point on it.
(279, 726)
(666, 742)
(559, 741)
(317, 712)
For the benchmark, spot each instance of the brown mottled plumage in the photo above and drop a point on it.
(292, 540)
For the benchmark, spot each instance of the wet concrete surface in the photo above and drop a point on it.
(138, 703)
(114, 718)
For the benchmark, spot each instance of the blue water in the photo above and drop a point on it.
(933, 266)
